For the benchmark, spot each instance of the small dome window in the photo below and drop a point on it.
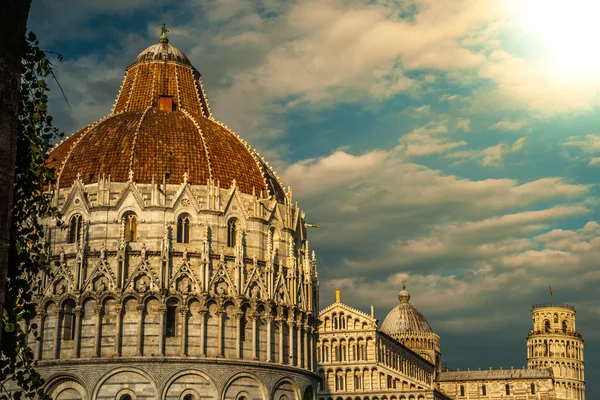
(232, 232)
(183, 229)
(130, 220)
(75, 225)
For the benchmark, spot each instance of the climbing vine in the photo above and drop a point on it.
(29, 248)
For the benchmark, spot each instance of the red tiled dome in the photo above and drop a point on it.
(161, 125)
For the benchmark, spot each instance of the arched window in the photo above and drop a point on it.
(556, 318)
(462, 390)
(507, 388)
(75, 225)
(69, 320)
(231, 232)
(125, 397)
(547, 325)
(533, 388)
(171, 320)
(564, 326)
(130, 227)
(183, 229)
(188, 397)
(483, 390)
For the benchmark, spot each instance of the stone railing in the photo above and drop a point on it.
(546, 305)
(576, 334)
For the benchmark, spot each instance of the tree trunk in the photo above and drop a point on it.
(13, 23)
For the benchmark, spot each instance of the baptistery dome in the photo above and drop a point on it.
(180, 267)
(161, 127)
(407, 325)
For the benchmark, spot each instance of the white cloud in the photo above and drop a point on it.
(492, 156)
(428, 139)
(510, 126)
(463, 124)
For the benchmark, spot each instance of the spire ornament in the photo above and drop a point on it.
(163, 34)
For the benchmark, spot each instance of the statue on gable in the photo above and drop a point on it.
(60, 288)
(142, 287)
(61, 255)
(143, 253)
(185, 285)
(222, 289)
(256, 292)
(103, 252)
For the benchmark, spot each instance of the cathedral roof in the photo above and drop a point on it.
(161, 127)
(501, 374)
(404, 319)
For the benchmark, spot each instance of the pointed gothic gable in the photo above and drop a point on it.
(62, 272)
(234, 198)
(143, 268)
(221, 274)
(255, 279)
(77, 192)
(184, 271)
(103, 269)
(185, 191)
(130, 190)
(280, 288)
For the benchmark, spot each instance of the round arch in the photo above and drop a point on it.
(249, 378)
(122, 370)
(186, 379)
(61, 383)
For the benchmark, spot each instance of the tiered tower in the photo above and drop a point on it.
(555, 343)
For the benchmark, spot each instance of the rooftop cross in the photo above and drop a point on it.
(403, 284)
(163, 34)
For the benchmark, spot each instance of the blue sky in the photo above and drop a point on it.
(454, 144)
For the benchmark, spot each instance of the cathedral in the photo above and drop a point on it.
(181, 270)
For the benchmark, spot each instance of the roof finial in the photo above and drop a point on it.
(403, 284)
(338, 296)
(163, 34)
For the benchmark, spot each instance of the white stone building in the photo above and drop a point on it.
(358, 361)
(181, 269)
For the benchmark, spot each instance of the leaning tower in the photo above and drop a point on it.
(554, 343)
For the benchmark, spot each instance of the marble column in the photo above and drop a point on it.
(162, 312)
(291, 324)
(140, 332)
(184, 330)
(238, 315)
(281, 325)
(78, 311)
(118, 328)
(98, 331)
(254, 319)
(59, 315)
(269, 319)
(299, 347)
(307, 349)
(38, 346)
(202, 314)
(220, 316)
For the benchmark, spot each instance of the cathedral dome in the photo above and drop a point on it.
(160, 130)
(404, 319)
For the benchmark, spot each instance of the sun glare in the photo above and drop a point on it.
(569, 31)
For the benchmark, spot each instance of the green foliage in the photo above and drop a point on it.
(29, 250)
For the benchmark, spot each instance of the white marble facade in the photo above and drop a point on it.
(199, 277)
